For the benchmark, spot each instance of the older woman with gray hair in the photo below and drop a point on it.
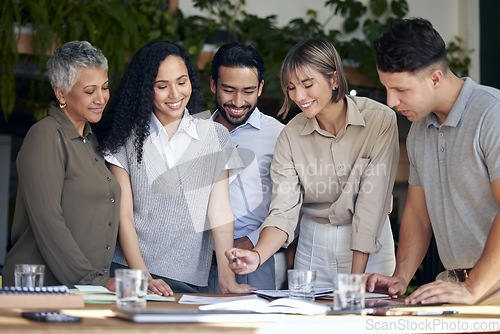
(67, 207)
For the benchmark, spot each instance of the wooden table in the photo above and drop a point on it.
(100, 318)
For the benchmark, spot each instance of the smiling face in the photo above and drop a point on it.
(311, 91)
(410, 94)
(236, 94)
(172, 90)
(87, 98)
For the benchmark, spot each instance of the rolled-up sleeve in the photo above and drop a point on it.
(340, 179)
(287, 195)
(374, 201)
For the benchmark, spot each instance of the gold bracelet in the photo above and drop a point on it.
(258, 254)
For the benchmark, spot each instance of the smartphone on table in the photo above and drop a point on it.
(50, 317)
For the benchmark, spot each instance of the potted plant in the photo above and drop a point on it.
(120, 27)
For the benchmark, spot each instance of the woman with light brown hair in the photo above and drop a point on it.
(333, 171)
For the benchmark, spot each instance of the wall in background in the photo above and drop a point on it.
(449, 17)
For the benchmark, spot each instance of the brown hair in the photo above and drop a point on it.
(318, 54)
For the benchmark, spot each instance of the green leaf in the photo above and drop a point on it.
(351, 24)
(399, 8)
(357, 10)
(372, 29)
(378, 7)
(8, 57)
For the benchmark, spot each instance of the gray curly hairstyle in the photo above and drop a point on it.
(68, 59)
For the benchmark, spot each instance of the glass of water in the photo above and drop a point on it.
(131, 288)
(29, 275)
(349, 291)
(302, 284)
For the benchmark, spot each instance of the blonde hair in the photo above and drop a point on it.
(318, 54)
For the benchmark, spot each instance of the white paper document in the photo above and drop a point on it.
(321, 292)
(272, 294)
(201, 300)
(99, 294)
(259, 305)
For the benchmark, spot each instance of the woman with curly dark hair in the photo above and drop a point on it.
(173, 170)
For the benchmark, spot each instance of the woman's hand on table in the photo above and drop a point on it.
(111, 285)
(235, 287)
(159, 287)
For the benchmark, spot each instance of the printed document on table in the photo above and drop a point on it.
(96, 294)
(201, 300)
(320, 292)
(273, 294)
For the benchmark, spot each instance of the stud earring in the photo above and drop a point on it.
(335, 94)
(62, 105)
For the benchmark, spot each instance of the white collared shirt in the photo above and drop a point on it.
(250, 191)
(171, 150)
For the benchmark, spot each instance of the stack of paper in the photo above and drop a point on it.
(259, 305)
(96, 294)
(273, 294)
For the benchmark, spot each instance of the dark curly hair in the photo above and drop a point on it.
(130, 107)
(409, 45)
